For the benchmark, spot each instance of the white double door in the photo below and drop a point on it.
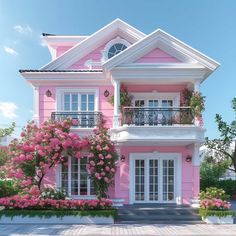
(154, 178)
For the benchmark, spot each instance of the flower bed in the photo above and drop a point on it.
(30, 202)
(28, 209)
(214, 207)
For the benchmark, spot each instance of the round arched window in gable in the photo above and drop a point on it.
(115, 49)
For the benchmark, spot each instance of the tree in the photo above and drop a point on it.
(40, 149)
(221, 147)
(3, 133)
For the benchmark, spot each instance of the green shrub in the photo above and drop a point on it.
(219, 213)
(228, 185)
(213, 192)
(8, 188)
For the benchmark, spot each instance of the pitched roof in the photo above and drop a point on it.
(89, 44)
(166, 42)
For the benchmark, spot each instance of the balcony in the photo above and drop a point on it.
(81, 119)
(141, 116)
(157, 126)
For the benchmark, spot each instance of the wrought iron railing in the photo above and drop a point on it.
(140, 116)
(80, 119)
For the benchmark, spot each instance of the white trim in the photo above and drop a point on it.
(92, 42)
(36, 104)
(161, 39)
(110, 44)
(177, 157)
(61, 91)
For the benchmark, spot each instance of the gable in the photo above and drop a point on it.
(167, 43)
(157, 56)
(88, 45)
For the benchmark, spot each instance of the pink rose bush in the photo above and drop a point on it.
(41, 148)
(32, 202)
(102, 159)
(215, 204)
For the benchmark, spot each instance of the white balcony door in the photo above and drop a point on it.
(154, 179)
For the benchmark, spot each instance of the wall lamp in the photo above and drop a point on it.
(48, 93)
(122, 158)
(188, 159)
(106, 93)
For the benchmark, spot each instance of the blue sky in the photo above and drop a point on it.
(207, 25)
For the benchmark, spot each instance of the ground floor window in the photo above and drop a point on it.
(75, 179)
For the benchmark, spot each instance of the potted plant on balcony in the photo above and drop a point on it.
(196, 102)
(214, 207)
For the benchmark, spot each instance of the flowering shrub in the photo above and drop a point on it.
(215, 204)
(102, 159)
(31, 202)
(125, 97)
(41, 148)
(52, 193)
(213, 192)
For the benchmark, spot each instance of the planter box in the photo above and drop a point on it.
(219, 220)
(56, 220)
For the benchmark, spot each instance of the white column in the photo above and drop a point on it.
(116, 103)
(196, 154)
(36, 104)
(197, 86)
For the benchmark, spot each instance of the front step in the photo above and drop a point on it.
(157, 214)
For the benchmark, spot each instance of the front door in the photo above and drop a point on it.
(154, 179)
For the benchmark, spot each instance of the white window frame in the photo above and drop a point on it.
(177, 157)
(59, 180)
(110, 44)
(61, 91)
(175, 97)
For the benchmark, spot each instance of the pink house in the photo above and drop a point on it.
(157, 139)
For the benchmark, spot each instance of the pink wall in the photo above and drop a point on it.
(190, 174)
(62, 49)
(157, 56)
(48, 104)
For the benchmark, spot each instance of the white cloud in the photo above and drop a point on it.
(23, 29)
(8, 110)
(10, 51)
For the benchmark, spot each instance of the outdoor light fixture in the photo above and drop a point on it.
(106, 93)
(188, 159)
(48, 93)
(122, 158)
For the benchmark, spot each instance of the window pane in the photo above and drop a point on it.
(75, 98)
(91, 106)
(83, 106)
(91, 98)
(84, 98)
(67, 106)
(67, 97)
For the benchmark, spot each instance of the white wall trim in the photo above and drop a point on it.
(177, 157)
(36, 104)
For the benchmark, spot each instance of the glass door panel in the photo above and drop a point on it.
(167, 114)
(153, 113)
(139, 113)
(168, 180)
(139, 180)
(153, 180)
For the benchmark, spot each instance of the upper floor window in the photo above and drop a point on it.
(115, 49)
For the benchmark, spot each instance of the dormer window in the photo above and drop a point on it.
(115, 49)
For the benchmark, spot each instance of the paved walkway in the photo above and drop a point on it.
(147, 230)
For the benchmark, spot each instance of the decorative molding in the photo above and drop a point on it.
(165, 41)
(92, 42)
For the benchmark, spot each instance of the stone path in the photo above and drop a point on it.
(147, 230)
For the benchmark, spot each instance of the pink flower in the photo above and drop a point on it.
(100, 163)
(109, 156)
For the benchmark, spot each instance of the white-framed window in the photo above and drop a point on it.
(74, 178)
(80, 99)
(114, 47)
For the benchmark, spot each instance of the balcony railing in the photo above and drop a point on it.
(140, 116)
(80, 119)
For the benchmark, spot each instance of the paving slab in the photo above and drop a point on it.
(108, 230)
